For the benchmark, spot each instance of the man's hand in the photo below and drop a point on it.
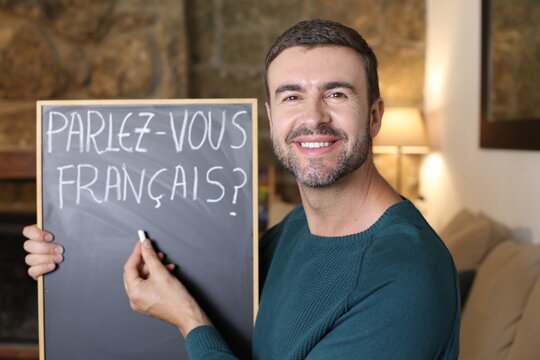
(152, 290)
(43, 256)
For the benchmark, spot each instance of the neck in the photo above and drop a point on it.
(350, 205)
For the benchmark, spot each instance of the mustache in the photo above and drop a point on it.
(324, 129)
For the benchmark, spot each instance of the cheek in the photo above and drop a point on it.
(350, 121)
(277, 134)
(282, 123)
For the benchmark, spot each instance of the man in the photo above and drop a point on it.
(355, 272)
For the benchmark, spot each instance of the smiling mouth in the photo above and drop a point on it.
(316, 145)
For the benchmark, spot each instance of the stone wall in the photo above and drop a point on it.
(62, 49)
(74, 49)
(82, 49)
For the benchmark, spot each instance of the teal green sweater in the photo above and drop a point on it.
(389, 292)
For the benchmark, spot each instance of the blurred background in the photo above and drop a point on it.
(429, 56)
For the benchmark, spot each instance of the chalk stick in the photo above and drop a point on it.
(142, 235)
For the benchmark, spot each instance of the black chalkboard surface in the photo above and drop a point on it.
(183, 171)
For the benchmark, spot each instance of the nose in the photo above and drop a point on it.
(315, 113)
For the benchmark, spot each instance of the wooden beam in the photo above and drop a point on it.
(19, 351)
(17, 165)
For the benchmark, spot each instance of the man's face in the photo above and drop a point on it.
(319, 115)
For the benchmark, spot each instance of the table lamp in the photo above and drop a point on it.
(402, 132)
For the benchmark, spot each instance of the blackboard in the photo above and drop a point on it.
(183, 171)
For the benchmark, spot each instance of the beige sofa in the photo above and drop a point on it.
(501, 314)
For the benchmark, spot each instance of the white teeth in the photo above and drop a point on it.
(314, 145)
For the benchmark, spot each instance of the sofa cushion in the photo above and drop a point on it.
(458, 222)
(526, 345)
(499, 232)
(497, 301)
(470, 237)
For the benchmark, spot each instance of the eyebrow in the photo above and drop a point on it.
(326, 86)
(339, 84)
(287, 87)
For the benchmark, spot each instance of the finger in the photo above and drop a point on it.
(170, 267)
(132, 265)
(36, 271)
(143, 268)
(145, 272)
(34, 233)
(40, 247)
(39, 259)
(150, 257)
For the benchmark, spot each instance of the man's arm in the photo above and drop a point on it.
(152, 290)
(392, 333)
(407, 308)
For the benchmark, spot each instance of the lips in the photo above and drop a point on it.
(316, 142)
(316, 145)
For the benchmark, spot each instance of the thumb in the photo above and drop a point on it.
(149, 256)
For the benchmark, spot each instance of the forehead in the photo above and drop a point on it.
(300, 64)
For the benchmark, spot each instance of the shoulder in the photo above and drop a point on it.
(408, 283)
(406, 259)
(403, 235)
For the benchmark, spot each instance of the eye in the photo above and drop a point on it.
(290, 98)
(336, 94)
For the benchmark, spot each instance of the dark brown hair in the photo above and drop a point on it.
(317, 32)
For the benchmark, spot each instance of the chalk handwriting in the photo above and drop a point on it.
(94, 131)
(122, 184)
(140, 132)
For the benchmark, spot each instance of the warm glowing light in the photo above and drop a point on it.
(435, 80)
(432, 169)
(402, 130)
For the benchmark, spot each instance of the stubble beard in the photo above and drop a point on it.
(316, 174)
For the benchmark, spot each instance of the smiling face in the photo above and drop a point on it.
(319, 113)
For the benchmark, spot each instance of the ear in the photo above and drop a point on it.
(268, 113)
(376, 114)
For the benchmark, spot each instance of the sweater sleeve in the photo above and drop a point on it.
(206, 343)
(404, 307)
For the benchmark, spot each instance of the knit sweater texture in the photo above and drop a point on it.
(389, 292)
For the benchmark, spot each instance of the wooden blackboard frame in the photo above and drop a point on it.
(128, 102)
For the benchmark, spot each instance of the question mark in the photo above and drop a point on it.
(237, 187)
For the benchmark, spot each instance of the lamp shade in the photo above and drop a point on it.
(401, 127)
